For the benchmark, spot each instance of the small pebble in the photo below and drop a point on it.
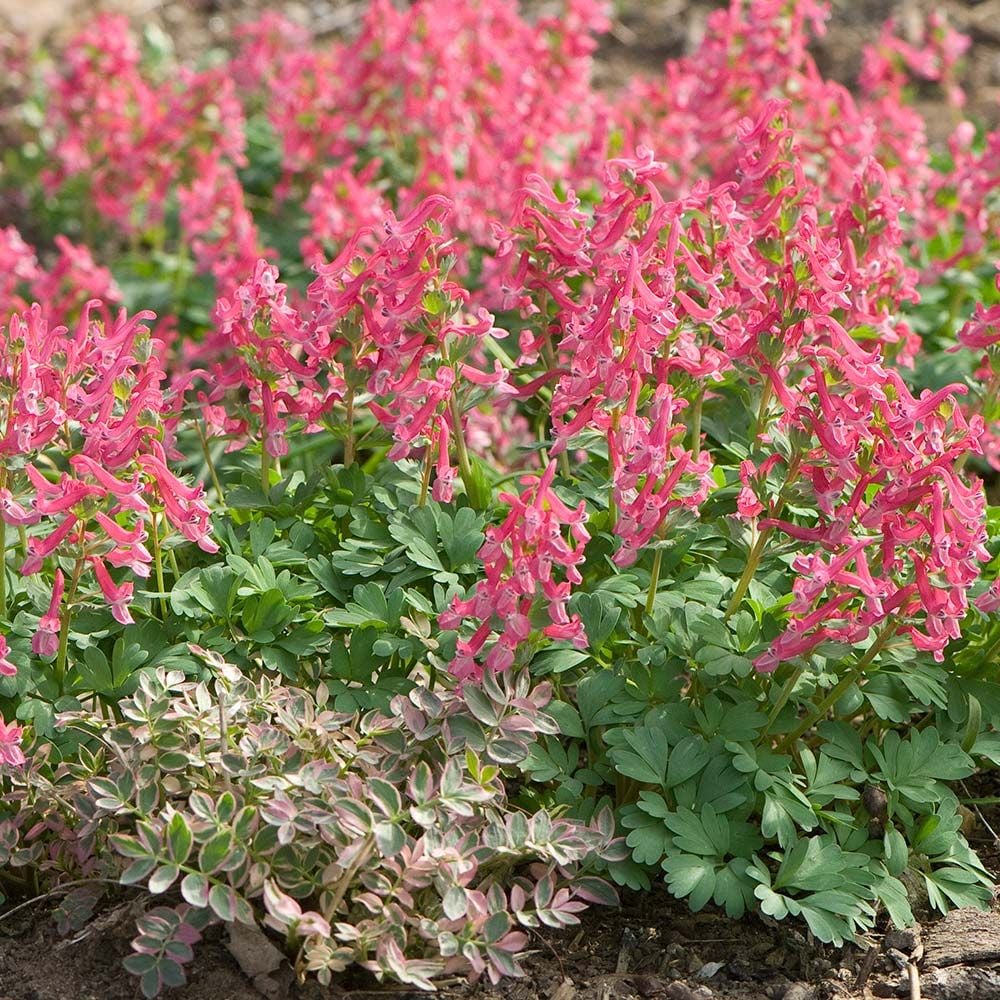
(906, 940)
(799, 991)
(709, 969)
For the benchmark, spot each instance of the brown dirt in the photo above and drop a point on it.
(653, 948)
(642, 950)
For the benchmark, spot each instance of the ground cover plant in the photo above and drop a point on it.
(436, 494)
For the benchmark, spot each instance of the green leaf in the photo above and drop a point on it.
(129, 847)
(195, 889)
(179, 838)
(686, 759)
(914, 767)
(215, 851)
(692, 877)
(599, 615)
(163, 878)
(897, 853)
(706, 834)
(649, 839)
(594, 696)
(461, 536)
(647, 760)
(137, 871)
(221, 899)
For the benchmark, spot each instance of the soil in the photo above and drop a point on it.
(652, 947)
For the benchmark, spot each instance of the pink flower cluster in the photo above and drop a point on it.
(62, 290)
(264, 338)
(82, 413)
(473, 108)
(521, 559)
(899, 536)
(649, 284)
(214, 218)
(132, 137)
(393, 314)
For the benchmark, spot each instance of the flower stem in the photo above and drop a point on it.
(783, 696)
(696, 426)
(349, 440)
(425, 479)
(851, 677)
(67, 614)
(265, 469)
(3, 568)
(464, 466)
(753, 561)
(654, 580)
(654, 576)
(765, 399)
(208, 460)
(158, 559)
(551, 364)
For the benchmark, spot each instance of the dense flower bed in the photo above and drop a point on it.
(435, 492)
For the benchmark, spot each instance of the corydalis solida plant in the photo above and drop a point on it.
(705, 288)
(83, 468)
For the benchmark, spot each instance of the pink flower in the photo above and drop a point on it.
(6, 667)
(117, 595)
(10, 744)
(989, 602)
(520, 559)
(15, 513)
(45, 641)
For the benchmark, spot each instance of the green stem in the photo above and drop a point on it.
(158, 560)
(696, 426)
(265, 469)
(349, 441)
(753, 561)
(208, 459)
(67, 614)
(551, 364)
(851, 677)
(783, 696)
(492, 347)
(425, 479)
(464, 467)
(765, 399)
(347, 879)
(654, 580)
(654, 576)
(3, 568)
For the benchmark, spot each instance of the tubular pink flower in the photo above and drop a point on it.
(128, 495)
(7, 669)
(45, 641)
(15, 513)
(39, 549)
(118, 596)
(10, 744)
